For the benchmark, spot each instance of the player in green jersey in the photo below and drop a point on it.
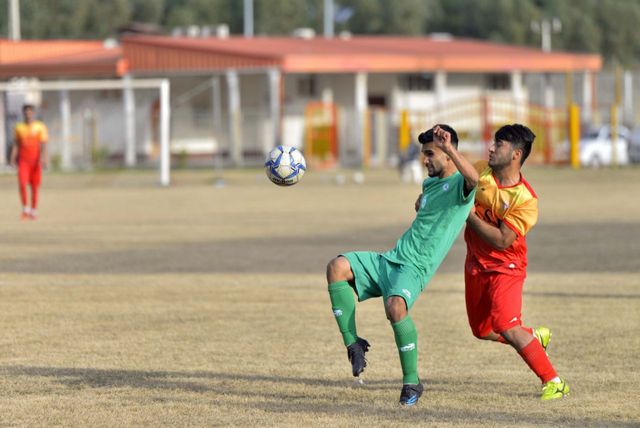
(400, 275)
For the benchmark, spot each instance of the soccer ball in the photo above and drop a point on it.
(285, 165)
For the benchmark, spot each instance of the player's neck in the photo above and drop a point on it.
(447, 172)
(508, 175)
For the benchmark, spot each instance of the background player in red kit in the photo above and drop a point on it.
(506, 208)
(29, 153)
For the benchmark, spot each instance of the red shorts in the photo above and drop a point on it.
(494, 300)
(29, 173)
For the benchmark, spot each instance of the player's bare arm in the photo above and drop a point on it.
(442, 140)
(500, 237)
(44, 156)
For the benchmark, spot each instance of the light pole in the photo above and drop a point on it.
(248, 18)
(545, 27)
(14, 20)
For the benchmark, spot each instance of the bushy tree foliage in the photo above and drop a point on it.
(608, 27)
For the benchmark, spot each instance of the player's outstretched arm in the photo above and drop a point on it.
(442, 139)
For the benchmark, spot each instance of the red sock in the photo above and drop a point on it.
(533, 354)
(34, 197)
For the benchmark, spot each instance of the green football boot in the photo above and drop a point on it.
(543, 334)
(552, 390)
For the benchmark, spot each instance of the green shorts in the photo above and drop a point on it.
(376, 276)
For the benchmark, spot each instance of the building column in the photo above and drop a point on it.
(275, 81)
(587, 97)
(360, 103)
(128, 99)
(65, 113)
(440, 88)
(627, 98)
(216, 106)
(518, 95)
(235, 132)
(549, 97)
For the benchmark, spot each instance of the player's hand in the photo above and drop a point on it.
(442, 139)
(417, 204)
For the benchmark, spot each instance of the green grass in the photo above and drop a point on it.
(127, 304)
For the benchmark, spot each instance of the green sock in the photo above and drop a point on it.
(407, 342)
(343, 305)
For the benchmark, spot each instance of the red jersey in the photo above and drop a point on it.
(29, 137)
(517, 207)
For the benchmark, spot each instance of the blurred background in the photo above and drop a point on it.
(217, 83)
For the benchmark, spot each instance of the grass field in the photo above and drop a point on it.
(127, 304)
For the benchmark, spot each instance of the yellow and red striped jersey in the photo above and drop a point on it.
(517, 207)
(28, 138)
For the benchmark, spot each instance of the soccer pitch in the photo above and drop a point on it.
(127, 304)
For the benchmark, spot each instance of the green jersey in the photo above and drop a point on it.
(443, 211)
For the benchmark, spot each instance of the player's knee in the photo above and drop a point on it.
(395, 308)
(338, 269)
(477, 334)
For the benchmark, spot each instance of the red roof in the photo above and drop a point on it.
(161, 55)
(57, 58)
(370, 54)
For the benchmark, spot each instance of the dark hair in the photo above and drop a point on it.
(28, 106)
(427, 136)
(519, 136)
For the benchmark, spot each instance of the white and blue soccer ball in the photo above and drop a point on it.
(285, 165)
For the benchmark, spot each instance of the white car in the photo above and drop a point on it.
(596, 150)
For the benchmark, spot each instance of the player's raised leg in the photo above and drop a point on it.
(406, 336)
(533, 353)
(343, 305)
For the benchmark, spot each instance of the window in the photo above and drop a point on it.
(307, 86)
(499, 82)
(417, 82)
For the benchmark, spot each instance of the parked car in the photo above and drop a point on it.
(634, 145)
(595, 147)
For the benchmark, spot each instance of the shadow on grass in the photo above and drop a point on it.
(339, 400)
(565, 248)
(105, 378)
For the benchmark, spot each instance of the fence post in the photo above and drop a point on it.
(404, 132)
(614, 135)
(574, 135)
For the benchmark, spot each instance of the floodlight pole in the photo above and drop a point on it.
(14, 20)
(248, 18)
(328, 19)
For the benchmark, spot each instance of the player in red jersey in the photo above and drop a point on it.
(506, 208)
(29, 153)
